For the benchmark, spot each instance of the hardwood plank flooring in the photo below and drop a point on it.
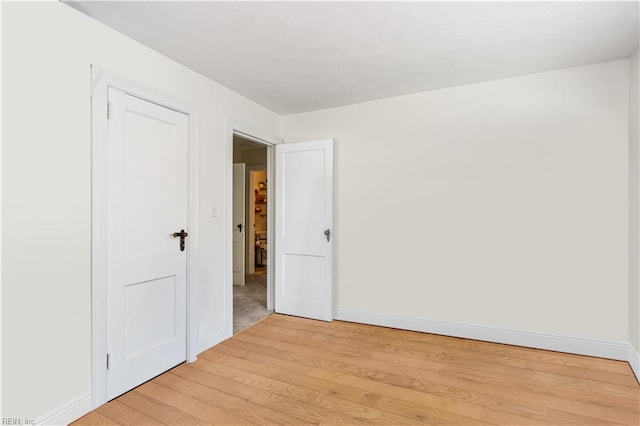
(291, 371)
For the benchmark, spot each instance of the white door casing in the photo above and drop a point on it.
(147, 186)
(304, 229)
(239, 228)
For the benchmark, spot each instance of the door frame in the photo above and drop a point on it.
(249, 133)
(101, 81)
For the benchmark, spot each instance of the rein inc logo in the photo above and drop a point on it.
(17, 421)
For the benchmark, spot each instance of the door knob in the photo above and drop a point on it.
(182, 236)
(240, 227)
(327, 233)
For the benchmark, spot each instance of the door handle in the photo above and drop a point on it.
(239, 227)
(182, 236)
(327, 233)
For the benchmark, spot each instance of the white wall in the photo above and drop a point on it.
(509, 211)
(634, 211)
(47, 49)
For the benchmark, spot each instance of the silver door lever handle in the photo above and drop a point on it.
(327, 233)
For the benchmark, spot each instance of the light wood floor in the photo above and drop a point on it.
(287, 370)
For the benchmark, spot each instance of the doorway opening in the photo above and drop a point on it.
(250, 232)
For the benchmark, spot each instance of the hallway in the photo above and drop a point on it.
(250, 300)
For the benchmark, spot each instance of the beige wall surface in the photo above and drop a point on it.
(634, 197)
(47, 50)
(499, 204)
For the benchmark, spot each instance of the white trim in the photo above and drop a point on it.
(193, 318)
(101, 80)
(634, 361)
(246, 132)
(68, 412)
(599, 348)
(212, 339)
(271, 226)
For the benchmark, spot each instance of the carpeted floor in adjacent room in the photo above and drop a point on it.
(250, 301)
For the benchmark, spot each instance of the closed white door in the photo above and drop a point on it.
(304, 229)
(147, 264)
(238, 223)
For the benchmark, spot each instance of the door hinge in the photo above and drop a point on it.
(109, 112)
(108, 361)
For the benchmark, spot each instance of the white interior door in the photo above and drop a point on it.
(146, 204)
(239, 228)
(304, 226)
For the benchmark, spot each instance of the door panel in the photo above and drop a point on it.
(299, 283)
(147, 203)
(304, 211)
(149, 167)
(304, 187)
(239, 228)
(150, 307)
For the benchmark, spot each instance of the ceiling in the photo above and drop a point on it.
(241, 144)
(301, 56)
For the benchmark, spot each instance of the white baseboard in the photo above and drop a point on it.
(67, 412)
(212, 339)
(623, 351)
(598, 348)
(634, 361)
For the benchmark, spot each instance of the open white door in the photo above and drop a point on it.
(304, 226)
(238, 223)
(147, 263)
